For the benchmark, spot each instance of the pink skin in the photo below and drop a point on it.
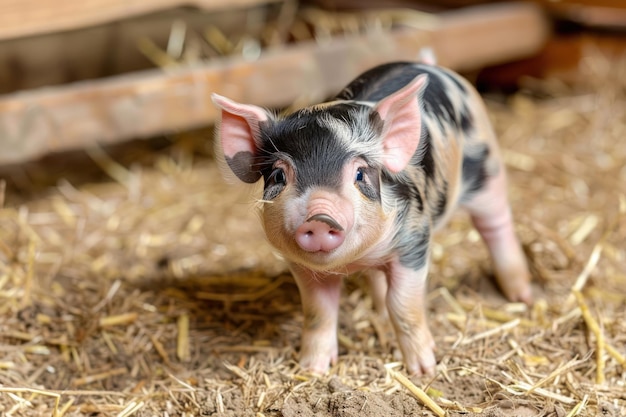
(319, 236)
(402, 292)
(491, 215)
(327, 220)
(320, 303)
(239, 123)
(406, 301)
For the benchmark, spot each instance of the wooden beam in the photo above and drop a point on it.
(144, 104)
(20, 18)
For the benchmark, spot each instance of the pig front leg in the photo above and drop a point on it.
(406, 296)
(320, 303)
(491, 215)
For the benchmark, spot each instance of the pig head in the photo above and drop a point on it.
(321, 170)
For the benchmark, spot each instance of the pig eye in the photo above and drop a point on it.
(367, 180)
(278, 176)
(360, 176)
(275, 184)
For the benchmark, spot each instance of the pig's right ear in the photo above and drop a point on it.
(402, 123)
(239, 136)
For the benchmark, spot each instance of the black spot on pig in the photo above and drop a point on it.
(413, 246)
(315, 150)
(380, 82)
(436, 101)
(467, 123)
(424, 150)
(404, 189)
(442, 201)
(475, 169)
(455, 80)
(244, 165)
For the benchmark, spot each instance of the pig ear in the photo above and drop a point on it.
(402, 123)
(239, 136)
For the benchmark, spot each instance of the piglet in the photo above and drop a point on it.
(361, 183)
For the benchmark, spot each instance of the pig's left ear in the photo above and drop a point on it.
(239, 136)
(402, 123)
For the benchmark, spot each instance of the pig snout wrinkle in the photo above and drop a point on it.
(320, 233)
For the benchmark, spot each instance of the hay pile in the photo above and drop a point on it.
(274, 26)
(150, 291)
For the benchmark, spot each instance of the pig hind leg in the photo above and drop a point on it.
(491, 214)
(377, 282)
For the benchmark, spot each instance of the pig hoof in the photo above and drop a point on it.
(524, 295)
(319, 359)
(419, 354)
(425, 366)
(521, 292)
(317, 365)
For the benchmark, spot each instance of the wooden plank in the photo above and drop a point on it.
(33, 123)
(478, 36)
(32, 17)
(111, 49)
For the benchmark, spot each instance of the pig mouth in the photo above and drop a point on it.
(321, 261)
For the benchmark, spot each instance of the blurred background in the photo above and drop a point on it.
(73, 75)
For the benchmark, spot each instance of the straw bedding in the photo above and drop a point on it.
(135, 281)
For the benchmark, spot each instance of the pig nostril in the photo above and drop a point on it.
(319, 236)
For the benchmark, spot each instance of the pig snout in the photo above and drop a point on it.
(320, 233)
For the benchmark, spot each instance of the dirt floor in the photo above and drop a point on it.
(137, 282)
